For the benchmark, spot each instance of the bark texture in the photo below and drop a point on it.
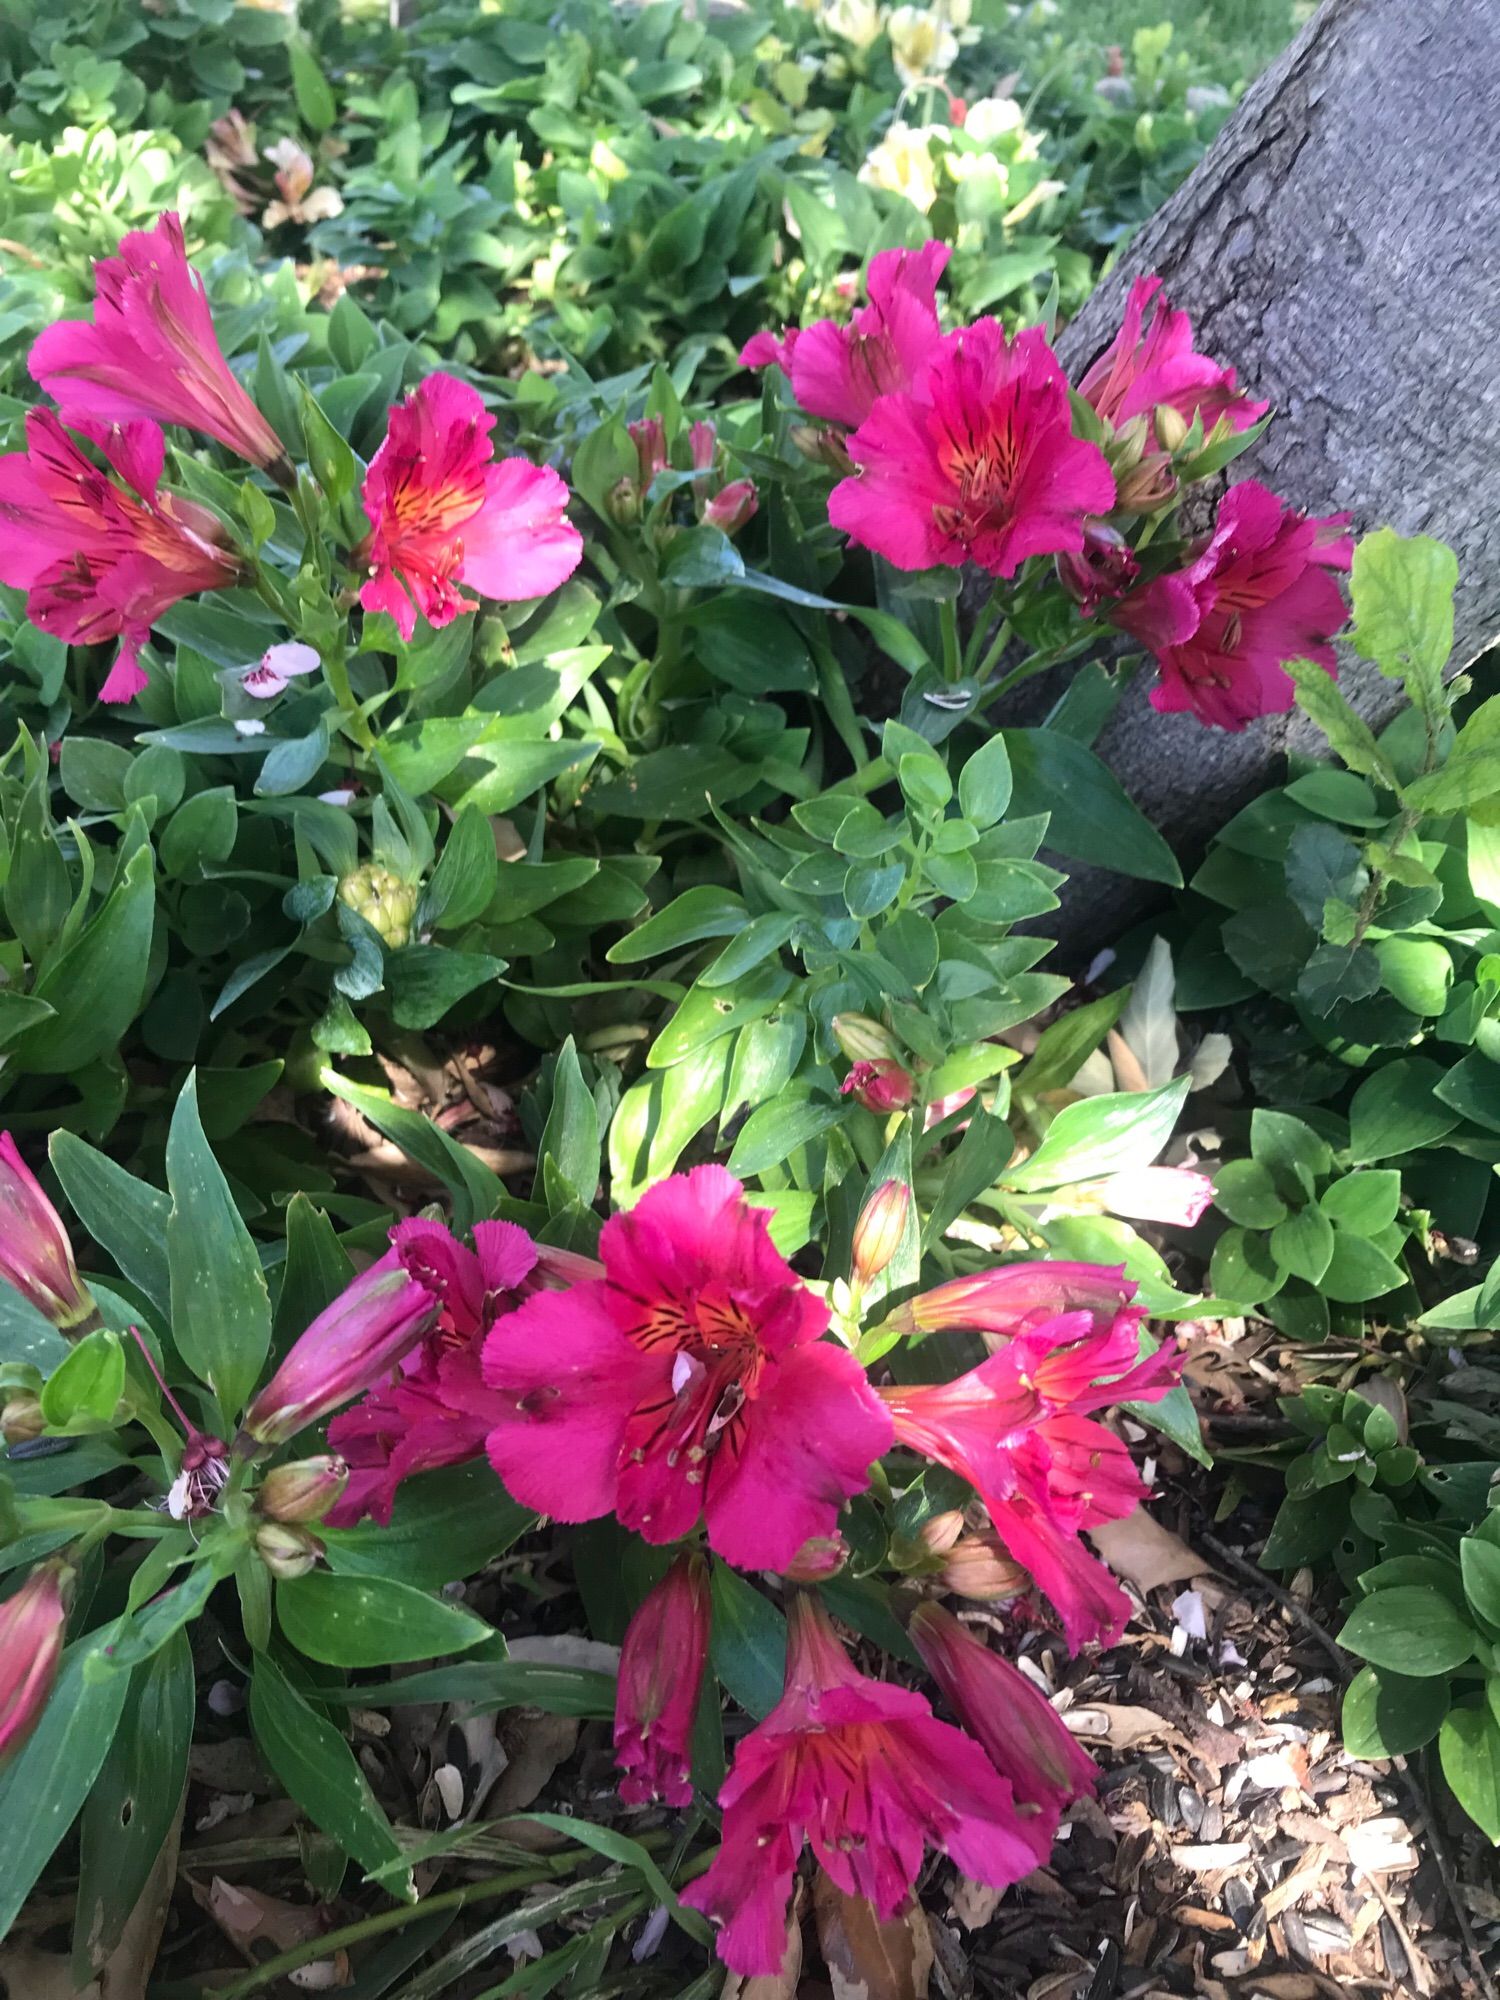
(1340, 244)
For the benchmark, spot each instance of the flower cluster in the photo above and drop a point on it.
(968, 447)
(102, 550)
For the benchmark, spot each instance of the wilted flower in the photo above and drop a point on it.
(688, 1381)
(101, 560)
(304, 1490)
(1259, 594)
(35, 1254)
(902, 163)
(661, 1673)
(443, 514)
(204, 1471)
(980, 464)
(864, 1771)
(33, 1624)
(977, 1567)
(299, 200)
(151, 351)
(923, 45)
(368, 1328)
(878, 1232)
(881, 1086)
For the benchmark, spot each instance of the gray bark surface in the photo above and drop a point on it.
(1340, 245)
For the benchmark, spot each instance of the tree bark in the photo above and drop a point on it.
(1340, 245)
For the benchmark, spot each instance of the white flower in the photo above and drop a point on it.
(855, 21)
(990, 118)
(249, 726)
(276, 667)
(902, 163)
(923, 45)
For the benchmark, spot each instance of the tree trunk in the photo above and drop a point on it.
(1340, 245)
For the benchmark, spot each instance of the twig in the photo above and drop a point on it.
(1439, 1851)
(1414, 1957)
(1283, 1597)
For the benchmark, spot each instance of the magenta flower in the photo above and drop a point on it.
(151, 351)
(33, 1625)
(661, 1673)
(688, 1381)
(35, 1254)
(978, 463)
(442, 513)
(1018, 1729)
(369, 1327)
(435, 1410)
(732, 506)
(882, 1086)
(100, 560)
(1018, 1429)
(1259, 593)
(864, 1771)
(1101, 571)
(838, 371)
(1142, 370)
(1014, 1298)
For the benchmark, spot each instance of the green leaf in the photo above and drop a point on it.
(1246, 1193)
(1322, 865)
(984, 783)
(1402, 588)
(974, 1165)
(476, 1192)
(698, 913)
(1242, 1270)
(772, 1134)
(124, 1215)
(620, 1848)
(1479, 1562)
(1363, 1203)
(748, 1647)
(570, 1141)
(1390, 1715)
(445, 1525)
(1413, 1629)
(1469, 1749)
(490, 1684)
(1064, 1047)
(201, 833)
(96, 987)
(26, 1334)
(319, 1770)
(465, 876)
(1396, 1111)
(50, 1776)
(315, 101)
(426, 981)
(131, 1809)
(1090, 816)
(1303, 1244)
(1416, 972)
(1472, 1088)
(1470, 773)
(83, 1391)
(370, 1621)
(221, 1310)
(1358, 1271)
(1102, 1135)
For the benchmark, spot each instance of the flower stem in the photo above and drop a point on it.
(953, 665)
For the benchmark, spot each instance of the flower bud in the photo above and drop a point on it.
(1148, 487)
(21, 1420)
(881, 1087)
(656, 1699)
(35, 1254)
(287, 1551)
(863, 1040)
(386, 903)
(623, 503)
(731, 507)
(650, 447)
(702, 442)
(349, 1346)
(819, 1558)
(1103, 569)
(304, 1490)
(1171, 427)
(878, 1232)
(823, 446)
(977, 1567)
(939, 1532)
(33, 1624)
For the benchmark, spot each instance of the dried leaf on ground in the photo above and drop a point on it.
(1145, 1553)
(868, 1959)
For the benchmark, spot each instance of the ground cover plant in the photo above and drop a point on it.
(574, 1277)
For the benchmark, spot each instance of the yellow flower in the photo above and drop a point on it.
(902, 164)
(990, 118)
(923, 45)
(855, 21)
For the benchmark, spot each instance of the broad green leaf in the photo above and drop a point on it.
(748, 1647)
(221, 1310)
(772, 1134)
(1349, 736)
(1245, 1191)
(1395, 1111)
(1469, 1750)
(464, 879)
(1064, 1047)
(696, 914)
(1412, 1630)
(97, 985)
(1102, 1135)
(319, 1770)
(984, 783)
(1358, 1270)
(1090, 815)
(371, 1621)
(1479, 1562)
(28, 1335)
(1365, 1202)
(570, 1140)
(1303, 1244)
(81, 1393)
(1402, 588)
(445, 1525)
(1390, 1715)
(124, 1215)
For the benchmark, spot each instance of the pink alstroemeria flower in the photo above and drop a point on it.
(100, 560)
(864, 1771)
(151, 351)
(436, 1410)
(1018, 1429)
(661, 1673)
(978, 463)
(443, 513)
(689, 1381)
(881, 1086)
(1014, 1298)
(36, 1256)
(1020, 1731)
(1141, 370)
(33, 1624)
(837, 371)
(1174, 1195)
(1260, 593)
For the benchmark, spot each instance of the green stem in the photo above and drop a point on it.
(337, 669)
(953, 665)
(993, 655)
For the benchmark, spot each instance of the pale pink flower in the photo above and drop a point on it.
(1143, 369)
(661, 1673)
(442, 513)
(151, 351)
(689, 1381)
(837, 371)
(1155, 1194)
(977, 464)
(278, 667)
(864, 1771)
(101, 559)
(731, 507)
